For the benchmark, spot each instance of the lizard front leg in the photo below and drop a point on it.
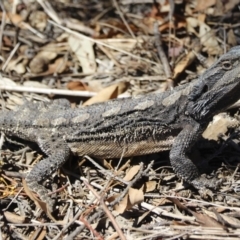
(58, 152)
(181, 163)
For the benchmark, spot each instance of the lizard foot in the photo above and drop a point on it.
(203, 183)
(42, 193)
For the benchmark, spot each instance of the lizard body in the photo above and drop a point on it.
(173, 120)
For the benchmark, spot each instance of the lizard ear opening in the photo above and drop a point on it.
(205, 88)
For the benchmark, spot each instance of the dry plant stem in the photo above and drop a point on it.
(80, 36)
(1, 141)
(10, 56)
(79, 229)
(106, 172)
(49, 10)
(194, 232)
(13, 199)
(126, 2)
(81, 28)
(88, 225)
(36, 224)
(123, 18)
(66, 226)
(108, 213)
(234, 174)
(161, 53)
(171, 22)
(2, 26)
(130, 184)
(201, 59)
(113, 27)
(110, 56)
(203, 203)
(48, 91)
(100, 212)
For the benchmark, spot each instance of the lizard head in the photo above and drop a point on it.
(217, 88)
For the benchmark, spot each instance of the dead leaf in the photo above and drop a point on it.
(6, 81)
(38, 64)
(107, 93)
(203, 4)
(131, 173)
(76, 86)
(14, 218)
(16, 19)
(59, 66)
(192, 23)
(184, 63)
(231, 38)
(232, 221)
(229, 5)
(175, 51)
(136, 196)
(206, 221)
(38, 20)
(219, 125)
(206, 35)
(150, 186)
(17, 65)
(40, 235)
(209, 40)
(83, 49)
(133, 197)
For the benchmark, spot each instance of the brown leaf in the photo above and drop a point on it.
(206, 221)
(131, 173)
(107, 93)
(150, 186)
(122, 206)
(76, 86)
(59, 66)
(14, 218)
(133, 197)
(83, 49)
(136, 196)
(203, 4)
(231, 221)
(182, 65)
(231, 38)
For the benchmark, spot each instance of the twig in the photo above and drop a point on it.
(2, 25)
(81, 36)
(122, 195)
(49, 10)
(161, 53)
(48, 91)
(123, 18)
(109, 214)
(104, 171)
(10, 56)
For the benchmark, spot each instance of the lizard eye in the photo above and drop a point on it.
(226, 65)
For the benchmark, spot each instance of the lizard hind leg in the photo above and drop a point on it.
(58, 152)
